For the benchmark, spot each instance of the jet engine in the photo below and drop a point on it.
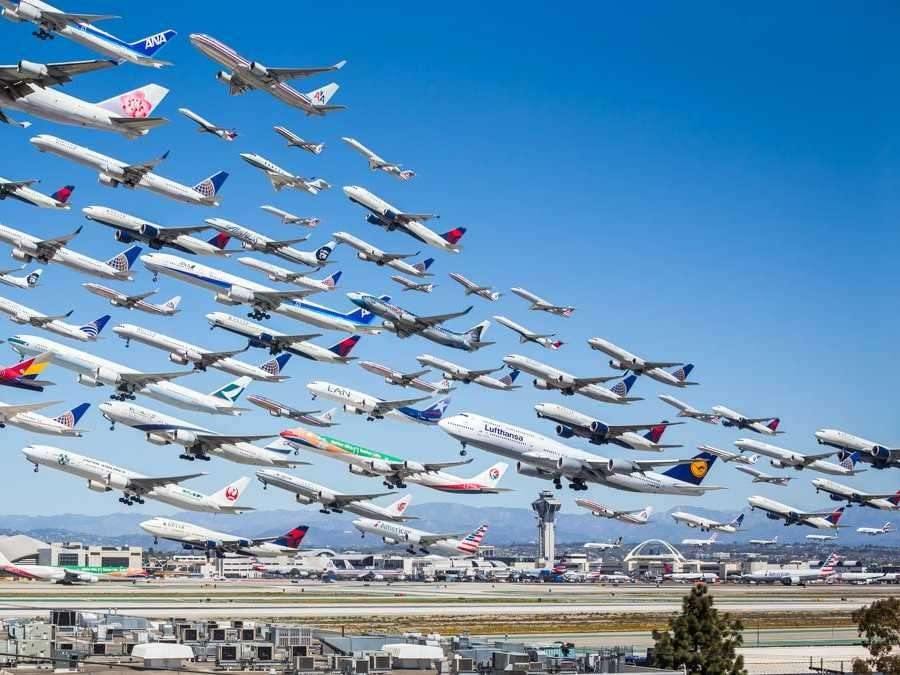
(19, 254)
(149, 231)
(124, 237)
(89, 381)
(372, 219)
(359, 471)
(302, 499)
(240, 294)
(108, 376)
(353, 410)
(10, 15)
(223, 76)
(107, 180)
(378, 466)
(21, 319)
(541, 384)
(532, 471)
(390, 540)
(880, 452)
(621, 466)
(25, 11)
(569, 467)
(258, 69)
(618, 365)
(564, 432)
(158, 439)
(31, 69)
(598, 428)
(97, 486)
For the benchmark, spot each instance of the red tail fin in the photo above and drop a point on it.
(62, 195)
(773, 425)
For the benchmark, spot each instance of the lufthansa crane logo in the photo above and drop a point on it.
(231, 493)
(699, 468)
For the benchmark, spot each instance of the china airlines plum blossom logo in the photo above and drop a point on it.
(494, 473)
(401, 507)
(232, 493)
(135, 104)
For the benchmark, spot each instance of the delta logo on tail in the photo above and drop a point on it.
(454, 235)
(345, 346)
(293, 537)
(655, 433)
(62, 195)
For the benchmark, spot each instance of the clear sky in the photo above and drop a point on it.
(706, 184)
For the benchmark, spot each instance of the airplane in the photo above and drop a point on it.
(376, 163)
(701, 542)
(129, 229)
(471, 288)
(18, 189)
(544, 340)
(207, 127)
(233, 290)
(537, 303)
(546, 377)
(194, 537)
(484, 483)
(783, 458)
(254, 241)
(604, 545)
(404, 323)
(390, 218)
(289, 218)
(23, 375)
(26, 248)
(28, 87)
(410, 285)
(56, 575)
(796, 576)
(451, 545)
(538, 456)
(887, 528)
(625, 360)
(635, 517)
(401, 379)
(572, 423)
(246, 75)
(277, 343)
(23, 315)
(615, 579)
(332, 501)
(858, 577)
(878, 455)
(30, 280)
(764, 542)
(888, 501)
(760, 477)
(692, 577)
(821, 520)
(369, 253)
(138, 301)
(685, 410)
(358, 402)
(281, 178)
(707, 524)
(286, 276)
(294, 141)
(310, 417)
(102, 476)
(822, 537)
(23, 416)
(726, 456)
(79, 28)
(184, 353)
(198, 442)
(456, 373)
(113, 172)
(93, 371)
(730, 418)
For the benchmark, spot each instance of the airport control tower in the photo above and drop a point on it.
(546, 507)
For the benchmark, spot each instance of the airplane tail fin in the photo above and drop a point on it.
(737, 522)
(681, 374)
(624, 386)
(171, 305)
(33, 277)
(422, 267)
(406, 174)
(618, 541)
(655, 433)
(895, 500)
(835, 516)
(453, 236)
(92, 329)
(136, 104)
(209, 187)
(849, 461)
(556, 344)
(695, 472)
(364, 316)
(219, 240)
(345, 346)
(293, 537)
(322, 95)
(644, 514)
(151, 44)
(510, 377)
(399, 506)
(275, 365)
(124, 261)
(328, 415)
(432, 413)
(4, 560)
(476, 332)
(233, 390)
(713, 537)
(492, 475)
(331, 281)
(27, 369)
(62, 195)
(71, 417)
(773, 425)
(323, 252)
(229, 495)
(471, 543)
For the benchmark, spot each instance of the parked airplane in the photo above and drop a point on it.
(23, 315)
(373, 407)
(102, 476)
(57, 575)
(888, 501)
(194, 537)
(370, 253)
(764, 542)
(289, 218)
(685, 410)
(887, 528)
(18, 189)
(286, 276)
(79, 28)
(537, 303)
(207, 127)
(797, 576)
(708, 524)
(376, 163)
(138, 301)
(878, 455)
(690, 577)
(23, 375)
(307, 492)
(410, 285)
(30, 280)
(783, 458)
(390, 218)
(546, 377)
(419, 541)
(93, 371)
(544, 340)
(604, 545)
(635, 517)
(254, 241)
(625, 360)
(821, 520)
(700, 542)
(184, 353)
(730, 418)
(572, 423)
(726, 456)
(760, 477)
(310, 417)
(23, 415)
(113, 172)
(457, 373)
(294, 141)
(246, 75)
(282, 178)
(822, 537)
(130, 228)
(413, 379)
(471, 288)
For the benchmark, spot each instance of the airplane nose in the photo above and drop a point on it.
(349, 189)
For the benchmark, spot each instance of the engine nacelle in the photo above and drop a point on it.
(532, 471)
(149, 231)
(390, 540)
(19, 254)
(353, 410)
(569, 466)
(598, 428)
(389, 216)
(158, 439)
(185, 436)
(89, 381)
(108, 376)
(880, 452)
(541, 384)
(617, 465)
(107, 180)
(772, 516)
(226, 299)
(302, 499)
(10, 15)
(180, 359)
(358, 470)
(21, 319)
(378, 466)
(777, 463)
(372, 219)
(32, 69)
(414, 467)
(564, 432)
(124, 237)
(223, 76)
(241, 295)
(97, 486)
(834, 498)
(27, 11)
(258, 69)
(617, 365)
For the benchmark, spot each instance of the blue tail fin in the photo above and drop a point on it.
(151, 44)
(209, 187)
(92, 329)
(71, 418)
(623, 387)
(124, 261)
(695, 472)
(276, 365)
(219, 240)
(510, 377)
(331, 281)
(344, 347)
(681, 374)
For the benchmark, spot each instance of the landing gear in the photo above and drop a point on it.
(127, 344)
(186, 456)
(155, 277)
(463, 452)
(123, 396)
(259, 315)
(42, 34)
(325, 511)
(557, 484)
(35, 468)
(577, 485)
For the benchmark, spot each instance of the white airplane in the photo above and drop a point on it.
(289, 218)
(30, 280)
(783, 458)
(764, 542)
(113, 172)
(130, 228)
(730, 418)
(635, 517)
(821, 520)
(277, 343)
(184, 353)
(254, 241)
(294, 141)
(887, 528)
(18, 189)
(484, 483)
(386, 216)
(93, 371)
(286, 276)
(546, 377)
(457, 373)
(57, 575)
(23, 315)
(708, 524)
(79, 28)
(23, 416)
(700, 542)
(822, 537)
(413, 379)
(194, 537)
(376, 163)
(625, 360)
(358, 402)
(572, 423)
(878, 455)
(726, 456)
(198, 442)
(282, 178)
(207, 127)
(543, 339)
(306, 492)
(102, 476)
(27, 248)
(794, 575)
(310, 417)
(137, 301)
(451, 545)
(537, 303)
(857, 577)
(370, 253)
(246, 75)
(471, 288)
(692, 577)
(760, 477)
(604, 545)
(685, 410)
(538, 456)
(888, 501)
(410, 285)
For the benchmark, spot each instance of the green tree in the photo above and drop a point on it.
(879, 624)
(700, 639)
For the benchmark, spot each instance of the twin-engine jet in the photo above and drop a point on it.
(376, 163)
(314, 418)
(26, 316)
(130, 228)
(369, 253)
(821, 520)
(547, 377)
(887, 501)
(287, 218)
(254, 241)
(410, 285)
(294, 141)
(880, 456)
(761, 477)
(52, 573)
(633, 517)
(375, 408)
(418, 541)
(471, 288)
(708, 524)
(137, 301)
(732, 418)
(30, 280)
(286, 276)
(545, 340)
(207, 127)
(538, 304)
(456, 373)
(282, 178)
(685, 410)
(24, 416)
(783, 458)
(411, 379)
(572, 423)
(727, 456)
(19, 189)
(625, 360)
(194, 537)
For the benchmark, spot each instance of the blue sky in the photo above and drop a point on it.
(707, 184)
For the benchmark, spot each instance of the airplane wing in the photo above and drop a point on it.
(435, 319)
(438, 466)
(140, 380)
(285, 242)
(140, 296)
(134, 172)
(59, 20)
(754, 420)
(172, 232)
(809, 459)
(56, 73)
(282, 341)
(39, 321)
(10, 410)
(618, 429)
(340, 501)
(409, 377)
(237, 86)
(282, 74)
(210, 358)
(661, 364)
(147, 483)
(435, 538)
(274, 298)
(47, 246)
(587, 381)
(4, 273)
(483, 371)
(7, 186)
(388, 257)
(216, 440)
(405, 217)
(387, 406)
